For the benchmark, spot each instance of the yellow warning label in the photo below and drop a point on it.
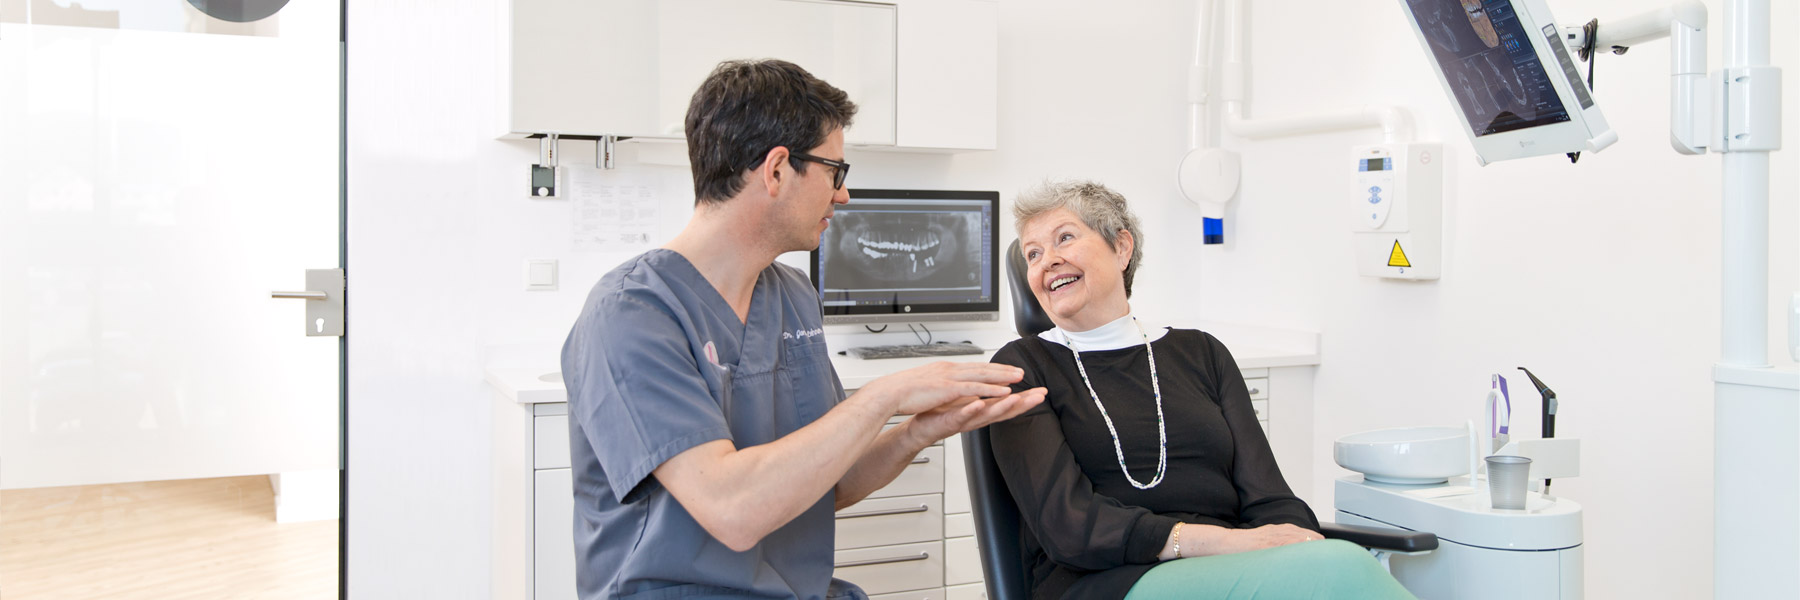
(1397, 258)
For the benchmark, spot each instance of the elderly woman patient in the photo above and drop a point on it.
(1144, 474)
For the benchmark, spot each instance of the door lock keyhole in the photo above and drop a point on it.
(319, 325)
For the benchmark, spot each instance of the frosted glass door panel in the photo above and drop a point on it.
(630, 67)
(155, 186)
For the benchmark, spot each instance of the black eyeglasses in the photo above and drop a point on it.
(840, 168)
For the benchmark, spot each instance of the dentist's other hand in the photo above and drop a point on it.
(970, 413)
(921, 389)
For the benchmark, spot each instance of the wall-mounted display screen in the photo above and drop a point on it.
(1488, 61)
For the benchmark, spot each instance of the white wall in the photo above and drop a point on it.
(1617, 310)
(1600, 276)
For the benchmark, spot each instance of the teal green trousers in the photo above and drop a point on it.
(1309, 570)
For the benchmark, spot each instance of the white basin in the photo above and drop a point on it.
(555, 377)
(1407, 455)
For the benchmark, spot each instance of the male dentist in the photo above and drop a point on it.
(710, 437)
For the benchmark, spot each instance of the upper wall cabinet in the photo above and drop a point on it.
(922, 72)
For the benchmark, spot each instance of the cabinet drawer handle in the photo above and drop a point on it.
(882, 513)
(1255, 391)
(921, 459)
(881, 561)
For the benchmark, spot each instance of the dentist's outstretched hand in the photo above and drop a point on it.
(966, 414)
(922, 389)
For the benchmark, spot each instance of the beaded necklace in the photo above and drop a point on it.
(1162, 459)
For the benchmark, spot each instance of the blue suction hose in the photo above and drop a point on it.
(1549, 411)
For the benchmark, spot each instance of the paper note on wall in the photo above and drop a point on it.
(615, 210)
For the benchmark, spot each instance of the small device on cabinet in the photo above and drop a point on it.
(1396, 202)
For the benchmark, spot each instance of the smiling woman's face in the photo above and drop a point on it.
(1075, 275)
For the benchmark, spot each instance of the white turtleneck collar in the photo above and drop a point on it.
(1121, 333)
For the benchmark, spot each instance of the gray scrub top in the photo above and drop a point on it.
(658, 363)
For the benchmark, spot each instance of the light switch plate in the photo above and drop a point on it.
(540, 275)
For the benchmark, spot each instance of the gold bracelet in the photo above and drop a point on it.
(1177, 539)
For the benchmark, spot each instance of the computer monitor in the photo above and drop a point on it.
(910, 256)
(1506, 66)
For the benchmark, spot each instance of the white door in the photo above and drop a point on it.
(164, 166)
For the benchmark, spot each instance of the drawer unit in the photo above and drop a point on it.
(1259, 387)
(959, 525)
(892, 568)
(889, 521)
(972, 591)
(1262, 409)
(553, 539)
(924, 476)
(956, 477)
(936, 594)
(962, 561)
(550, 442)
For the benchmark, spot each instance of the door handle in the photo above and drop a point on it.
(324, 296)
(301, 295)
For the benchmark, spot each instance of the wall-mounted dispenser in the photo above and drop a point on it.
(1396, 207)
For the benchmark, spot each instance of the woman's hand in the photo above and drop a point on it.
(1268, 536)
(1212, 540)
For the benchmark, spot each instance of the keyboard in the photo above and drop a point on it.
(914, 350)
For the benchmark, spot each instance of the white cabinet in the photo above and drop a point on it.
(962, 558)
(922, 72)
(533, 503)
(948, 75)
(553, 534)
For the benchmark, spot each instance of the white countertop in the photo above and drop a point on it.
(1253, 347)
(528, 385)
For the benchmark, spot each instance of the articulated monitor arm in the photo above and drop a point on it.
(1690, 101)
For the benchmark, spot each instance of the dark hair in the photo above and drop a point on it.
(746, 108)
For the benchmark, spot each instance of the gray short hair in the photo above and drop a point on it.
(1098, 207)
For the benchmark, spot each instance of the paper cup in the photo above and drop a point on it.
(1506, 480)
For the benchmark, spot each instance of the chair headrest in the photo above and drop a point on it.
(1028, 317)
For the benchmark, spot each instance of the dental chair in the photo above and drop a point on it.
(998, 529)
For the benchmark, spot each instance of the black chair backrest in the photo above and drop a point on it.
(1028, 317)
(997, 524)
(996, 521)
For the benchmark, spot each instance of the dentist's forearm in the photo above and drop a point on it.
(890, 454)
(742, 495)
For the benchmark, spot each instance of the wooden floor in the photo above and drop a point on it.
(199, 538)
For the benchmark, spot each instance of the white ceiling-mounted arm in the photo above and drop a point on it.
(1690, 102)
(1208, 176)
(1396, 123)
(1200, 76)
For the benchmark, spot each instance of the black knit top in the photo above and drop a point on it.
(1090, 534)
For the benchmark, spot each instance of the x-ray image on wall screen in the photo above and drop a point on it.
(932, 251)
(1488, 61)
